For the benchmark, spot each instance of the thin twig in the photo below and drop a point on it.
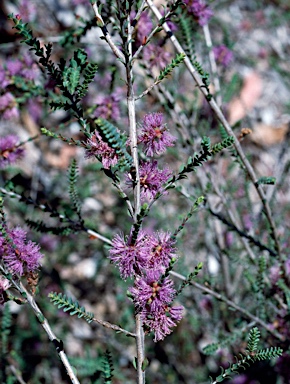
(220, 116)
(16, 373)
(148, 89)
(125, 197)
(231, 304)
(115, 327)
(45, 325)
(58, 215)
(213, 65)
(106, 34)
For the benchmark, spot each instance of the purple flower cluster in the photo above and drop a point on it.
(200, 11)
(97, 147)
(20, 255)
(25, 68)
(223, 55)
(8, 107)
(156, 56)
(146, 260)
(154, 135)
(152, 297)
(108, 107)
(143, 27)
(27, 10)
(148, 252)
(151, 179)
(9, 151)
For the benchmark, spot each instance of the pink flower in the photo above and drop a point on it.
(130, 258)
(9, 152)
(8, 106)
(162, 251)
(162, 321)
(200, 11)
(152, 178)
(108, 107)
(152, 294)
(223, 55)
(27, 10)
(154, 135)
(14, 67)
(143, 28)
(4, 81)
(97, 147)
(156, 56)
(20, 255)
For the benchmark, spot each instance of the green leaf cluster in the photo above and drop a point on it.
(67, 304)
(107, 368)
(205, 154)
(73, 176)
(169, 68)
(251, 356)
(111, 135)
(66, 77)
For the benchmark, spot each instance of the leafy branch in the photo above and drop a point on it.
(69, 305)
(164, 73)
(251, 355)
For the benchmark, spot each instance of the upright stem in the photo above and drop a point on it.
(134, 151)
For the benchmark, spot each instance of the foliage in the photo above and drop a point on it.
(69, 305)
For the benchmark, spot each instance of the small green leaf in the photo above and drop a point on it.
(270, 180)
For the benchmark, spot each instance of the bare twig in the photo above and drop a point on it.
(107, 36)
(115, 327)
(213, 65)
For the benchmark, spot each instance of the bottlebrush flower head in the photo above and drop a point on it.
(151, 294)
(223, 55)
(130, 258)
(108, 107)
(162, 321)
(162, 251)
(154, 135)
(9, 152)
(156, 56)
(97, 147)
(20, 255)
(8, 106)
(152, 178)
(200, 11)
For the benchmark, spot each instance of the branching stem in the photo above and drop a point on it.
(220, 116)
(231, 304)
